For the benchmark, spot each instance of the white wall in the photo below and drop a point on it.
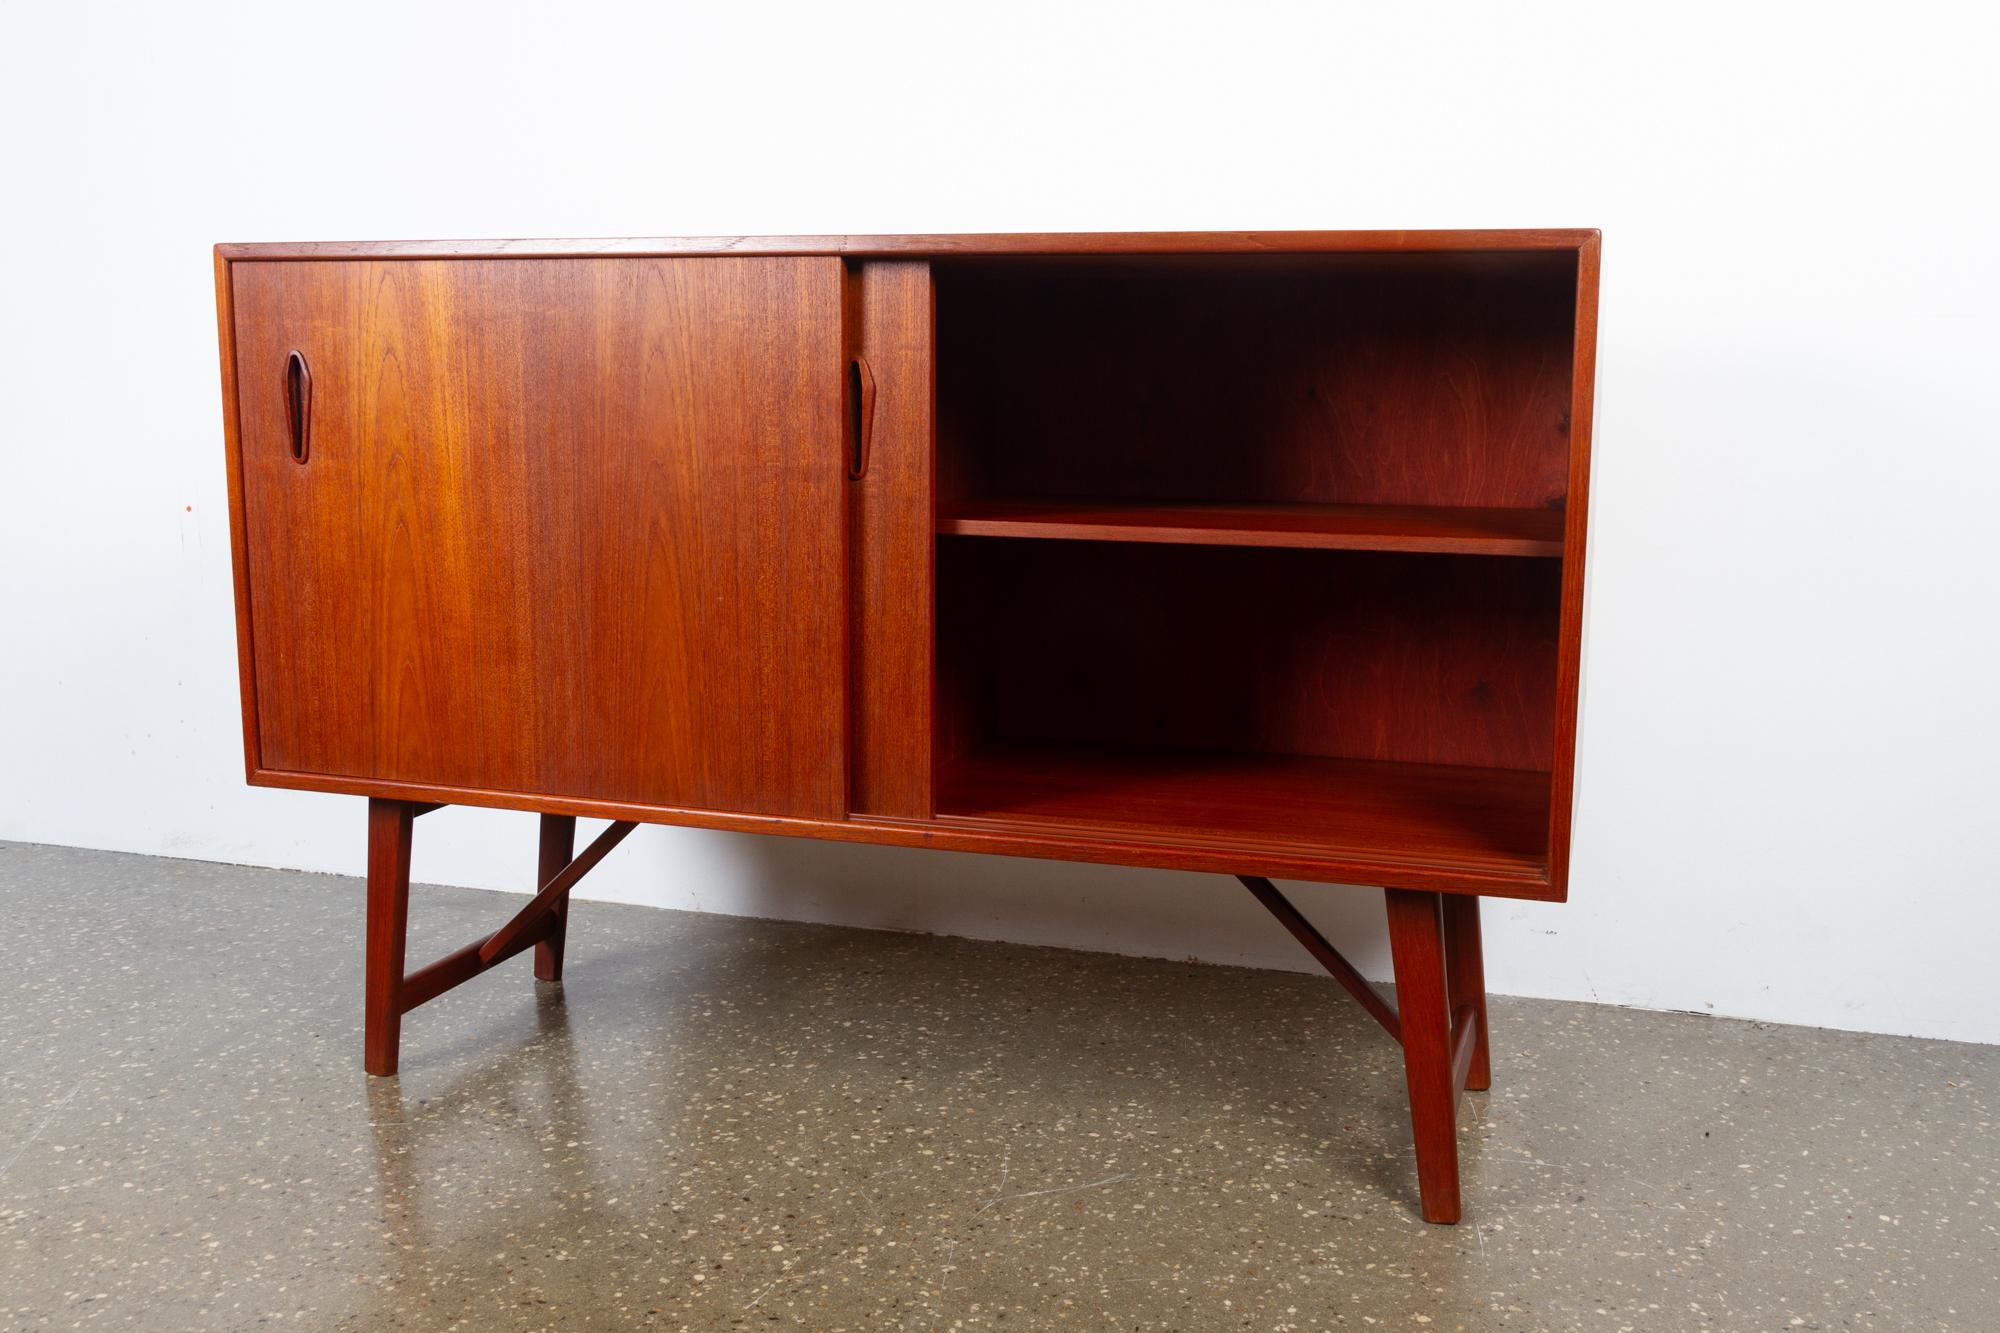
(1788, 773)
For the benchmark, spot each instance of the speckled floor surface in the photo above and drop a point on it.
(727, 1123)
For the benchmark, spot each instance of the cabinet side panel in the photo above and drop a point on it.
(892, 546)
(246, 667)
(1569, 660)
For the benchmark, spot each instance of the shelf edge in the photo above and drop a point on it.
(1166, 534)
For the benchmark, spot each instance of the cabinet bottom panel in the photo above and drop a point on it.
(1485, 819)
(1004, 833)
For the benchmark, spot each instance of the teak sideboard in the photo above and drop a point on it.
(1252, 553)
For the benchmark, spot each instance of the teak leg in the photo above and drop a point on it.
(1417, 940)
(542, 924)
(558, 847)
(1440, 1017)
(389, 826)
(1465, 965)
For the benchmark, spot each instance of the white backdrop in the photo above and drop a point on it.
(1788, 767)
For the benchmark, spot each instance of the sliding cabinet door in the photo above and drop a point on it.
(568, 527)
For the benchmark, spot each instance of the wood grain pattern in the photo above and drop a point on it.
(1416, 942)
(892, 549)
(935, 245)
(573, 527)
(1326, 527)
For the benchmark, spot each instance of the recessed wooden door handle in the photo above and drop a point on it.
(298, 404)
(863, 389)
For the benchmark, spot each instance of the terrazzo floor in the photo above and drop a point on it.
(723, 1123)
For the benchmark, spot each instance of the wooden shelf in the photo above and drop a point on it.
(1522, 532)
(1484, 821)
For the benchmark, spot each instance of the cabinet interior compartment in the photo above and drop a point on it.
(1402, 390)
(1355, 703)
(1258, 551)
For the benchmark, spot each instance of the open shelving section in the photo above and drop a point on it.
(1257, 552)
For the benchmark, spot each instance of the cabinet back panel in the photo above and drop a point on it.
(1356, 379)
(1417, 658)
(567, 526)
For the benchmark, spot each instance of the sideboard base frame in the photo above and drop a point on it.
(1439, 1018)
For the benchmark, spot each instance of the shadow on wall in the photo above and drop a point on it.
(1110, 909)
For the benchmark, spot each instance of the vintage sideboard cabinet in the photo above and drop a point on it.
(1255, 554)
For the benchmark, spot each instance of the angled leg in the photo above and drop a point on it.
(1417, 941)
(558, 847)
(389, 825)
(1465, 965)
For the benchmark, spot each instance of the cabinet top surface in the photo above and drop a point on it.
(932, 246)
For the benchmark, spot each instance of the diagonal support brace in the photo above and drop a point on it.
(1328, 957)
(558, 887)
(529, 926)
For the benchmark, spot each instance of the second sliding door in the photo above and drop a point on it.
(571, 527)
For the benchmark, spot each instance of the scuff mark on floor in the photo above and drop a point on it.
(47, 1120)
